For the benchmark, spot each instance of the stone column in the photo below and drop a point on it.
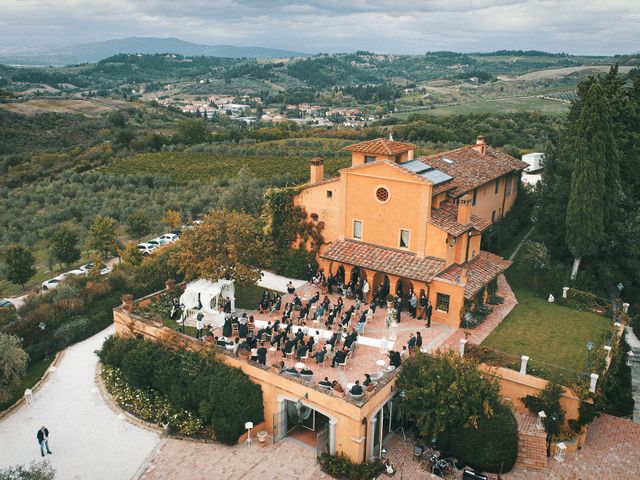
(564, 292)
(332, 436)
(371, 431)
(594, 382)
(523, 364)
(607, 349)
(463, 342)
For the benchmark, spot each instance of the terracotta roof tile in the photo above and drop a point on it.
(483, 268)
(470, 168)
(446, 218)
(380, 146)
(382, 259)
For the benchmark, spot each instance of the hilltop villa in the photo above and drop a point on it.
(390, 218)
(396, 221)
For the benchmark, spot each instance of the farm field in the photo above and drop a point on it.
(501, 105)
(263, 160)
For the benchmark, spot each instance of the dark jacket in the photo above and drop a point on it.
(356, 390)
(41, 435)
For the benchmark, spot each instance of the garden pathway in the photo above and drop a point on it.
(88, 440)
(499, 312)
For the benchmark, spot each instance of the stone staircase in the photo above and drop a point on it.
(532, 445)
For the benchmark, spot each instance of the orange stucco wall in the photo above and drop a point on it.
(407, 207)
(316, 200)
(348, 416)
(456, 301)
(488, 201)
(357, 158)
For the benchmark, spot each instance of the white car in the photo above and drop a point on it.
(168, 238)
(155, 243)
(55, 281)
(87, 267)
(146, 248)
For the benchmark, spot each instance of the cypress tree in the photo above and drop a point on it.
(594, 177)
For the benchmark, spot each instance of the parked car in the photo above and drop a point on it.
(6, 305)
(104, 269)
(146, 248)
(55, 281)
(155, 243)
(177, 232)
(198, 222)
(168, 238)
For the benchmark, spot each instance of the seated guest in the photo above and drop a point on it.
(363, 316)
(331, 318)
(299, 335)
(209, 332)
(243, 330)
(290, 287)
(262, 354)
(314, 299)
(302, 351)
(333, 341)
(296, 301)
(394, 359)
(356, 389)
(236, 344)
(325, 382)
(339, 357)
(289, 346)
(367, 380)
(276, 339)
(351, 338)
(291, 371)
(320, 355)
(310, 343)
(389, 469)
(220, 341)
(337, 387)
(279, 367)
(306, 371)
(276, 326)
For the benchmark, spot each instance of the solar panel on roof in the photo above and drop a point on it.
(426, 171)
(416, 166)
(436, 176)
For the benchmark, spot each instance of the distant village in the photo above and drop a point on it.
(249, 109)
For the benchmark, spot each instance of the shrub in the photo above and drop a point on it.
(616, 389)
(491, 447)
(339, 466)
(13, 363)
(193, 382)
(71, 331)
(35, 471)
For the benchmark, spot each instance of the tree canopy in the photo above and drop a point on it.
(226, 245)
(445, 391)
(64, 245)
(18, 263)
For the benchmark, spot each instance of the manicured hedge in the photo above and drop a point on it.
(339, 466)
(221, 396)
(490, 447)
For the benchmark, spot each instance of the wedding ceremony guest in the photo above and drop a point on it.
(199, 325)
(429, 312)
(422, 303)
(325, 382)
(262, 354)
(418, 341)
(290, 287)
(320, 354)
(227, 305)
(339, 357)
(337, 387)
(356, 389)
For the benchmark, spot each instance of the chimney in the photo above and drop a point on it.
(464, 276)
(317, 170)
(464, 210)
(480, 144)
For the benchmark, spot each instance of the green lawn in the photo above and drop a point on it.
(547, 332)
(501, 105)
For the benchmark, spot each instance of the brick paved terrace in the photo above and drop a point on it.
(288, 459)
(368, 350)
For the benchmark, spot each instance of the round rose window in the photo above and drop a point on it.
(382, 194)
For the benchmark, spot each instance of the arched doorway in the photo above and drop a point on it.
(380, 278)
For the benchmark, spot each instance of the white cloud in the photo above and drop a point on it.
(402, 26)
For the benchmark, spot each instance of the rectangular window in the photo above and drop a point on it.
(398, 158)
(442, 302)
(329, 194)
(369, 158)
(475, 196)
(404, 238)
(357, 229)
(497, 185)
(507, 186)
(493, 216)
(515, 183)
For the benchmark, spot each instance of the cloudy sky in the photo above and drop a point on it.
(392, 26)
